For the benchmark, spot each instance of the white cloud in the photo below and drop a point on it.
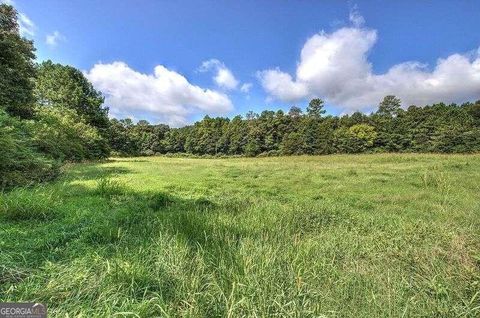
(53, 38)
(334, 66)
(165, 94)
(27, 27)
(355, 17)
(223, 76)
(280, 85)
(245, 88)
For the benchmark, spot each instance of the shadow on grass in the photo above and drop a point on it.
(128, 160)
(110, 221)
(85, 172)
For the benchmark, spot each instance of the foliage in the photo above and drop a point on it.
(390, 106)
(315, 108)
(64, 135)
(360, 138)
(64, 86)
(16, 66)
(433, 128)
(70, 124)
(20, 163)
(292, 144)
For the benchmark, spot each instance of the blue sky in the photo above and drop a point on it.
(286, 52)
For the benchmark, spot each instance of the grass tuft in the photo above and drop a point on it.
(108, 186)
(29, 204)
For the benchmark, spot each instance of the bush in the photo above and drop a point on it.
(20, 164)
(64, 135)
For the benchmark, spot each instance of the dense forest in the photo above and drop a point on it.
(51, 114)
(432, 128)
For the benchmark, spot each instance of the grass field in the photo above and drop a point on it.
(332, 236)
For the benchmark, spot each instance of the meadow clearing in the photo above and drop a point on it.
(381, 235)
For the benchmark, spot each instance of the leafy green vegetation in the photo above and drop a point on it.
(17, 67)
(20, 163)
(433, 128)
(59, 85)
(383, 235)
(64, 135)
(49, 113)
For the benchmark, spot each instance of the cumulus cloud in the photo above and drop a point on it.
(334, 66)
(53, 38)
(223, 76)
(165, 94)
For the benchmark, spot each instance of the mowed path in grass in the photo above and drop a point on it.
(384, 235)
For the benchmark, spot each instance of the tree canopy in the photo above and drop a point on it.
(431, 128)
(17, 67)
(65, 86)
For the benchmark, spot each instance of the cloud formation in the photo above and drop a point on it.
(355, 17)
(165, 94)
(223, 76)
(334, 66)
(27, 27)
(53, 38)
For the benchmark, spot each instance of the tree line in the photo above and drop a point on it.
(51, 114)
(432, 128)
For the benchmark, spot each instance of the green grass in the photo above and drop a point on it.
(333, 236)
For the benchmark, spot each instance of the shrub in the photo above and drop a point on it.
(20, 164)
(64, 135)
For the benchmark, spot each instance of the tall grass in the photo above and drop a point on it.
(334, 236)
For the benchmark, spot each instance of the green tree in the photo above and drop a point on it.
(474, 111)
(390, 106)
(176, 139)
(121, 138)
(315, 108)
(17, 68)
(435, 128)
(295, 112)
(356, 139)
(363, 132)
(65, 86)
(292, 144)
(237, 134)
